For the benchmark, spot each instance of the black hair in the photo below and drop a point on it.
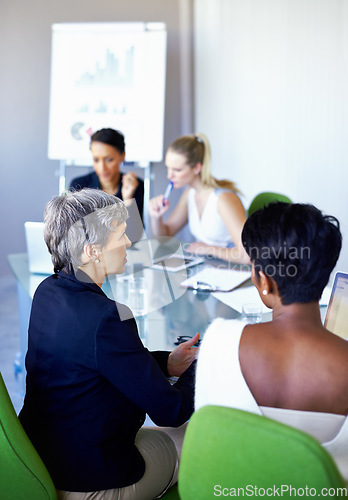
(296, 245)
(110, 136)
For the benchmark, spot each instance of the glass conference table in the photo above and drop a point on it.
(171, 310)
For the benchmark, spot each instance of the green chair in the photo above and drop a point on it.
(225, 449)
(264, 199)
(172, 493)
(23, 476)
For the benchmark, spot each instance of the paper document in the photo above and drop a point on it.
(247, 294)
(228, 278)
(244, 295)
(218, 278)
(325, 296)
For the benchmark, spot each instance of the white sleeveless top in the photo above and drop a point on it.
(219, 381)
(209, 228)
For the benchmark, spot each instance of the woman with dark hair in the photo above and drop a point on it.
(211, 207)
(108, 150)
(90, 381)
(290, 369)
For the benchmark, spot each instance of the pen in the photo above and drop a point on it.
(167, 192)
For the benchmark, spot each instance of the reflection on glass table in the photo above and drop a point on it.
(164, 310)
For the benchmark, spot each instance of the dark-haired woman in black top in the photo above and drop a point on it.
(108, 151)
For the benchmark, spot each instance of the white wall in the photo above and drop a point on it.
(271, 93)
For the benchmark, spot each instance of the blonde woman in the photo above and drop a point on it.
(211, 207)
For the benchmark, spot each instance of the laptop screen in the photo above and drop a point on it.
(40, 261)
(336, 319)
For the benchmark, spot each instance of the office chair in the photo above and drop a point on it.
(264, 199)
(23, 476)
(229, 448)
(172, 493)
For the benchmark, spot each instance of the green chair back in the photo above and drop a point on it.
(225, 449)
(172, 493)
(264, 199)
(23, 476)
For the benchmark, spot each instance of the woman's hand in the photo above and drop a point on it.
(129, 185)
(158, 206)
(199, 248)
(182, 357)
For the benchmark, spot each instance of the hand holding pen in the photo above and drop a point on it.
(167, 193)
(160, 204)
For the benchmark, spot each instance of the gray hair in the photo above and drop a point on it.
(77, 218)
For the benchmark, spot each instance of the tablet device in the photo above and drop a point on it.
(336, 319)
(176, 262)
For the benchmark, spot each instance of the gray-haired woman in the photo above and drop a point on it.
(90, 380)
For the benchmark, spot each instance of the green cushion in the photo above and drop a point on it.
(22, 473)
(264, 199)
(228, 448)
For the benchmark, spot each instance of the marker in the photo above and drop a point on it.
(167, 192)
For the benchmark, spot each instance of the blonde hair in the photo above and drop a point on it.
(196, 149)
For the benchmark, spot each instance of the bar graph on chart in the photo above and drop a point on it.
(116, 72)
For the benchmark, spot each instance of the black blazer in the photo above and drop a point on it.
(90, 382)
(91, 180)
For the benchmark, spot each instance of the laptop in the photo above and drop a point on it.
(39, 258)
(336, 319)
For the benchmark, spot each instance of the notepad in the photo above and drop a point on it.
(218, 278)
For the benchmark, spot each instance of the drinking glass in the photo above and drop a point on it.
(137, 295)
(252, 313)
